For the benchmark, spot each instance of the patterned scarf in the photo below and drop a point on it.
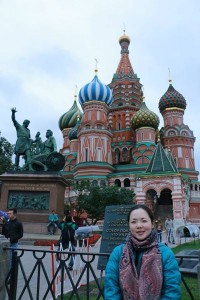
(141, 278)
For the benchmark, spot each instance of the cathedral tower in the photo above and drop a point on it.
(175, 134)
(94, 158)
(127, 98)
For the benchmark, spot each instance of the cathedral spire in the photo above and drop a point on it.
(124, 67)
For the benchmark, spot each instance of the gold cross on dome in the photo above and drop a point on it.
(96, 63)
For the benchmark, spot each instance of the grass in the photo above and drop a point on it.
(194, 245)
(193, 286)
(192, 282)
(82, 293)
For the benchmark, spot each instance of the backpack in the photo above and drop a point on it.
(67, 233)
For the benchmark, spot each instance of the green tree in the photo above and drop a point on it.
(6, 152)
(94, 200)
(81, 188)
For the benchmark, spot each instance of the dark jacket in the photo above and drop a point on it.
(13, 229)
(68, 233)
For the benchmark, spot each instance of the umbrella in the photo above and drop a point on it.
(3, 214)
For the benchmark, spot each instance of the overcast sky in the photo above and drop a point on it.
(49, 46)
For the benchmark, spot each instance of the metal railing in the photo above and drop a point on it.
(38, 275)
(42, 275)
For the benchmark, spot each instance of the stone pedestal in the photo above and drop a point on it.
(35, 195)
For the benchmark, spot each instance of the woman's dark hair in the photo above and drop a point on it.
(142, 206)
(68, 218)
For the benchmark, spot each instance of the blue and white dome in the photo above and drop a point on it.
(95, 91)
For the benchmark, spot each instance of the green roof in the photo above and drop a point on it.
(161, 162)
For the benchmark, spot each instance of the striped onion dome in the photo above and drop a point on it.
(72, 135)
(145, 118)
(172, 98)
(69, 119)
(95, 91)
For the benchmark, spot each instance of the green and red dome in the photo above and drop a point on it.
(172, 98)
(145, 118)
(72, 135)
(69, 119)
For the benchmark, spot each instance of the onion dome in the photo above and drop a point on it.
(95, 91)
(172, 98)
(124, 42)
(72, 135)
(69, 119)
(145, 118)
(124, 38)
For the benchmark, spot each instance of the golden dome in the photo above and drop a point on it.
(124, 38)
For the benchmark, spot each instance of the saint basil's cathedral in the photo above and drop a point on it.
(116, 140)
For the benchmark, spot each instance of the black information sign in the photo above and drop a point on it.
(115, 230)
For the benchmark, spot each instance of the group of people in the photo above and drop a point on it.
(12, 229)
(169, 227)
(169, 230)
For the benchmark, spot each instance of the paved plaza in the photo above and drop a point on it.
(29, 261)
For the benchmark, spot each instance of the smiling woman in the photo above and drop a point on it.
(142, 268)
(140, 223)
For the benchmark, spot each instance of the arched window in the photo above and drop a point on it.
(117, 156)
(99, 126)
(86, 154)
(151, 194)
(118, 126)
(124, 153)
(102, 183)
(118, 183)
(94, 183)
(165, 197)
(127, 182)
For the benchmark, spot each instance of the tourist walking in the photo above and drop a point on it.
(159, 228)
(171, 239)
(67, 238)
(142, 268)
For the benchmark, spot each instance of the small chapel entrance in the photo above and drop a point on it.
(161, 206)
(165, 204)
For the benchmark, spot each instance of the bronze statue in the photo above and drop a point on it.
(23, 143)
(36, 144)
(48, 159)
(50, 144)
(39, 156)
